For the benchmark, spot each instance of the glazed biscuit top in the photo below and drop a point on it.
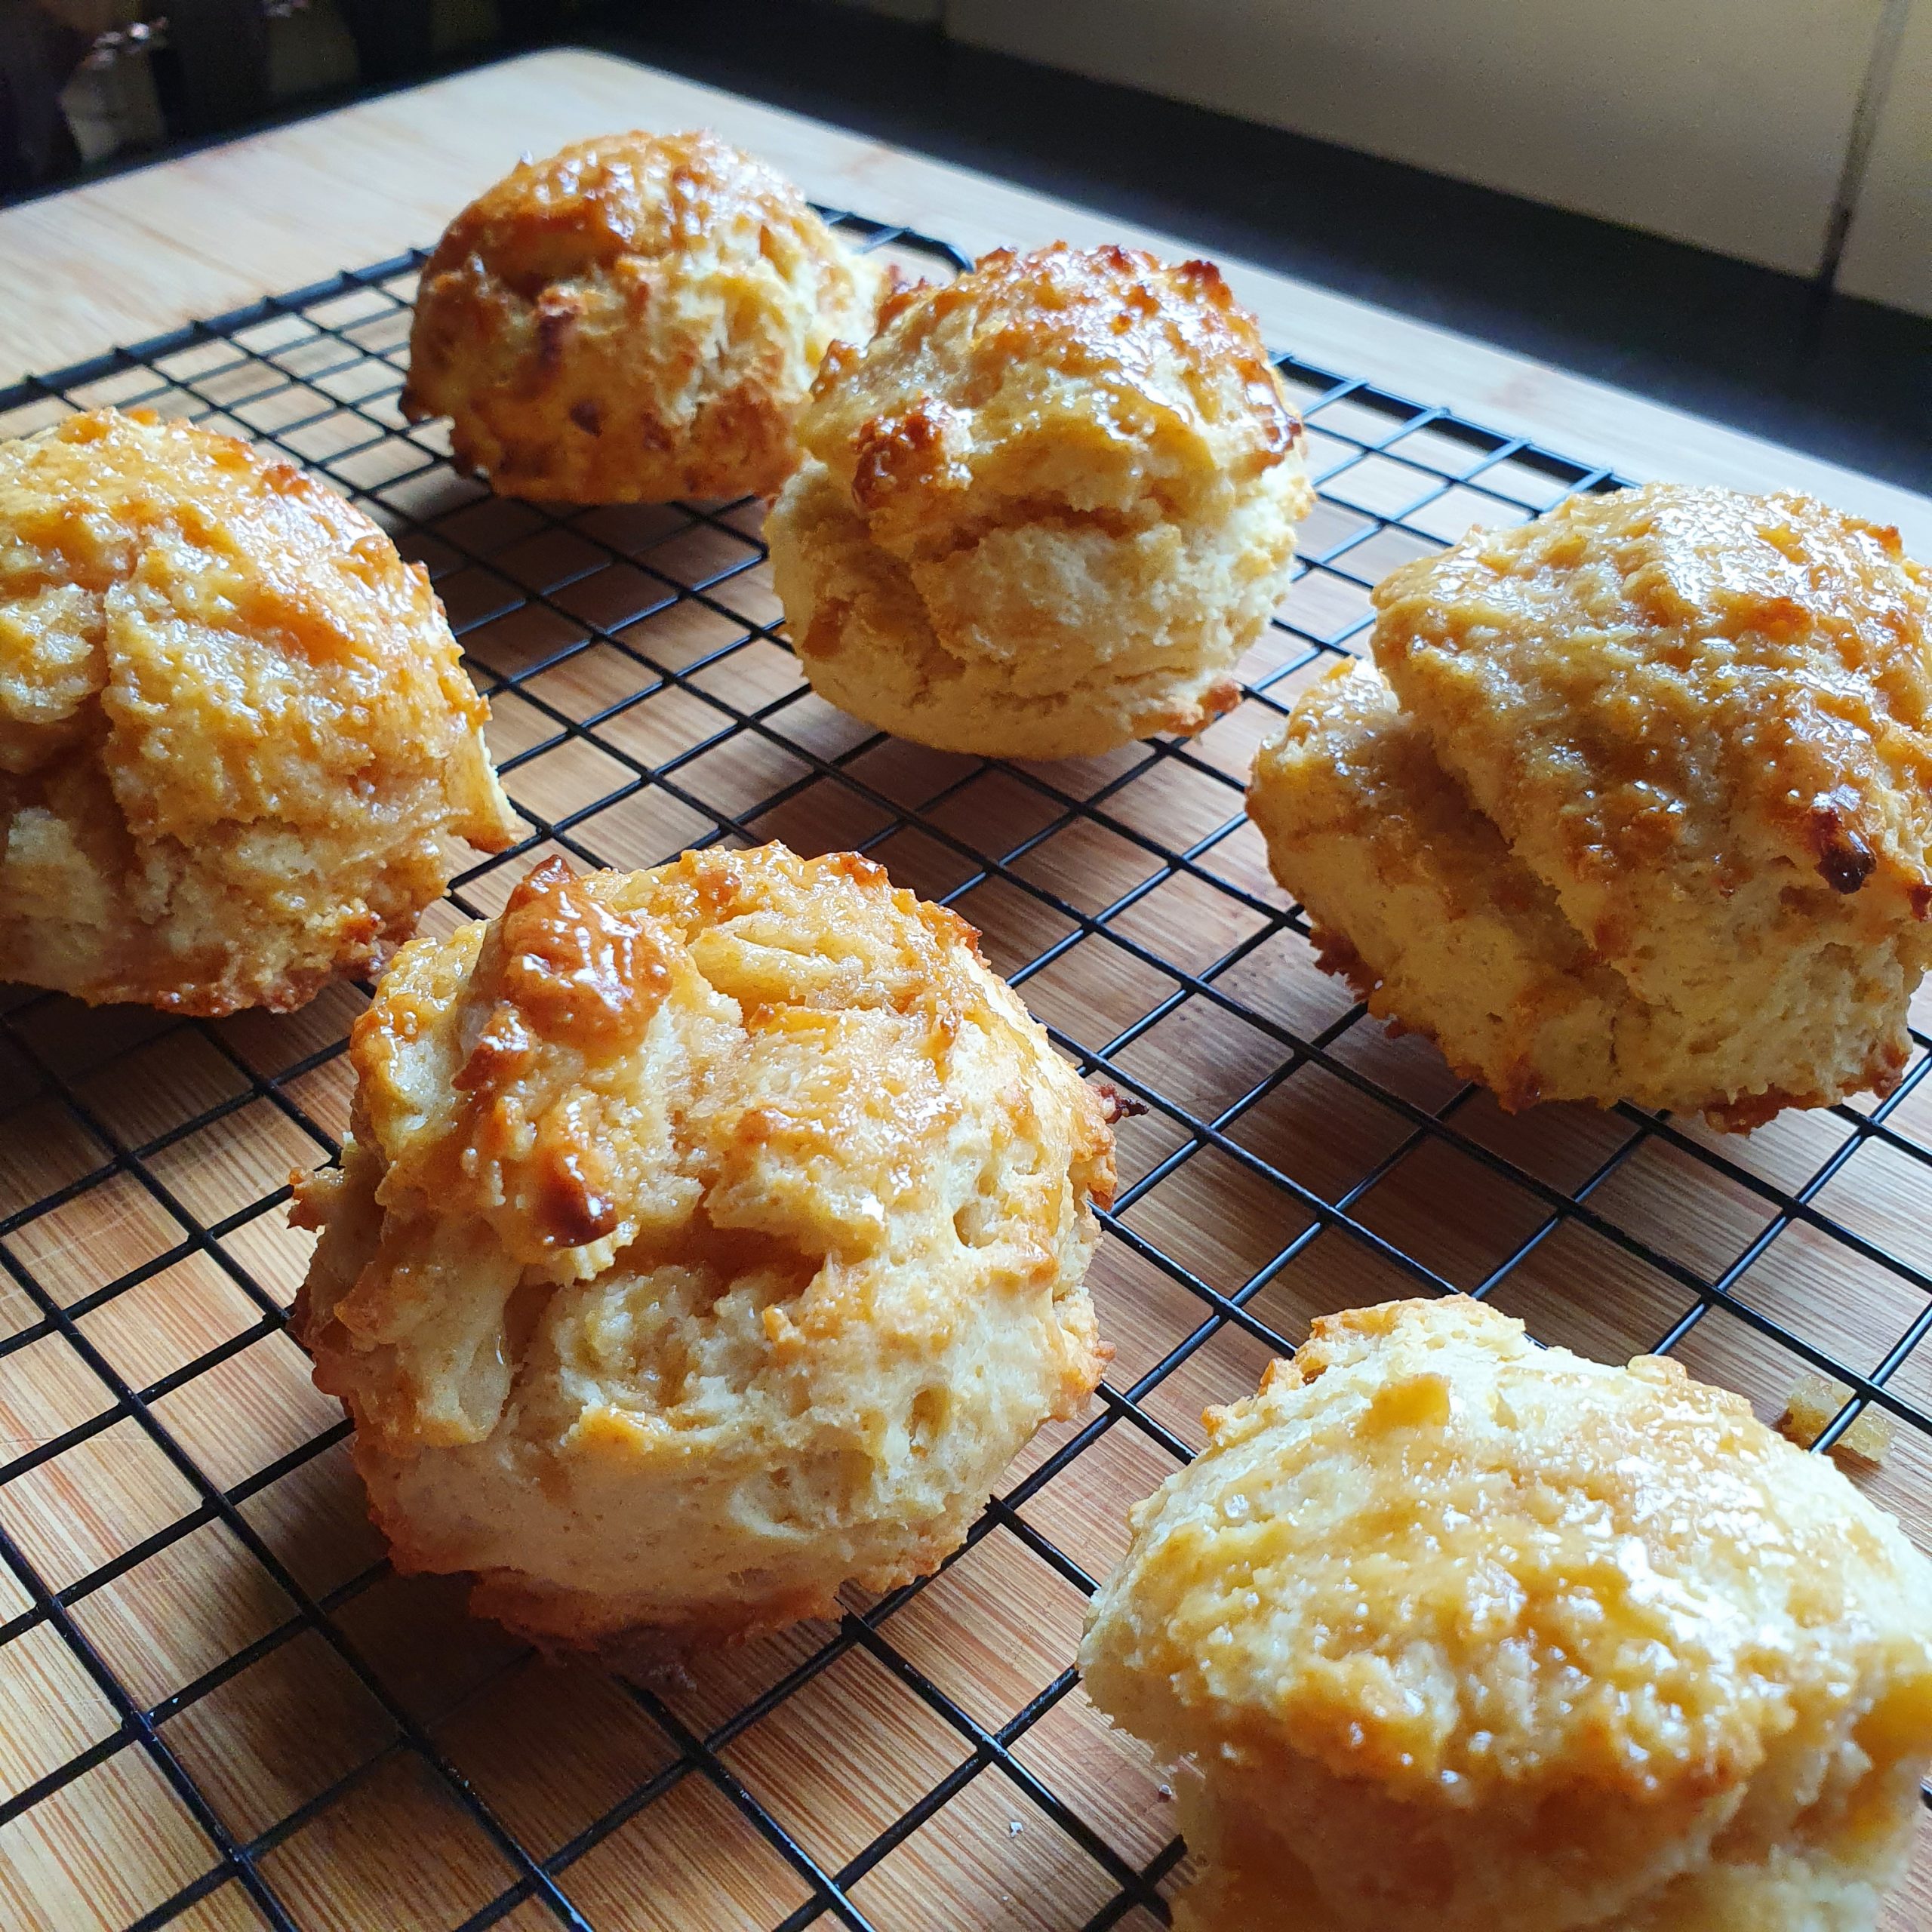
(1674, 689)
(740, 1063)
(598, 201)
(1067, 382)
(621, 206)
(1431, 1554)
(241, 644)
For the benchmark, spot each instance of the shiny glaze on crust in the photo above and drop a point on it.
(572, 974)
(1474, 1635)
(563, 981)
(1108, 347)
(635, 318)
(577, 973)
(588, 205)
(1573, 1599)
(1175, 334)
(559, 1123)
(1684, 678)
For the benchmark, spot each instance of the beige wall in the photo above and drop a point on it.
(1889, 256)
(1721, 122)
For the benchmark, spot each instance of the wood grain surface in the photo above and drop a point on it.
(215, 1626)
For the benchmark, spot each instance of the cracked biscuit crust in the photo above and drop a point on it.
(1439, 927)
(1047, 508)
(634, 319)
(707, 1236)
(1703, 719)
(237, 746)
(1453, 1633)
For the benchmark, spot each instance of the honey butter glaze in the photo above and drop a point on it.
(1474, 1635)
(634, 318)
(575, 979)
(1677, 693)
(1098, 379)
(705, 1236)
(237, 744)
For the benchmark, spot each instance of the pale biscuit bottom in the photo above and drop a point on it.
(1050, 637)
(265, 914)
(590, 1524)
(1417, 899)
(1251, 1882)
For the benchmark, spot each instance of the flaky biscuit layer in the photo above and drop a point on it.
(708, 1237)
(237, 745)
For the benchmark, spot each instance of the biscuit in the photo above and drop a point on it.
(1701, 719)
(1047, 508)
(635, 318)
(1453, 1633)
(237, 745)
(1415, 897)
(706, 1237)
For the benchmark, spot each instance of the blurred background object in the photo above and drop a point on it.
(39, 50)
(87, 82)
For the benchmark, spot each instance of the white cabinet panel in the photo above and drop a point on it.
(1888, 257)
(1721, 122)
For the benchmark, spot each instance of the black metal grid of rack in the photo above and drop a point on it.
(644, 704)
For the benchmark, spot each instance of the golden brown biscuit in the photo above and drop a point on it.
(1457, 1635)
(1704, 720)
(1415, 898)
(707, 1236)
(237, 746)
(635, 318)
(1046, 511)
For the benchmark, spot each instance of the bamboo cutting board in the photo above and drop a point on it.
(218, 1707)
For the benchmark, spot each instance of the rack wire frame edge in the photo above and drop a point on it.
(864, 1630)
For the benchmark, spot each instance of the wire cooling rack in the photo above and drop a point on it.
(219, 1707)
